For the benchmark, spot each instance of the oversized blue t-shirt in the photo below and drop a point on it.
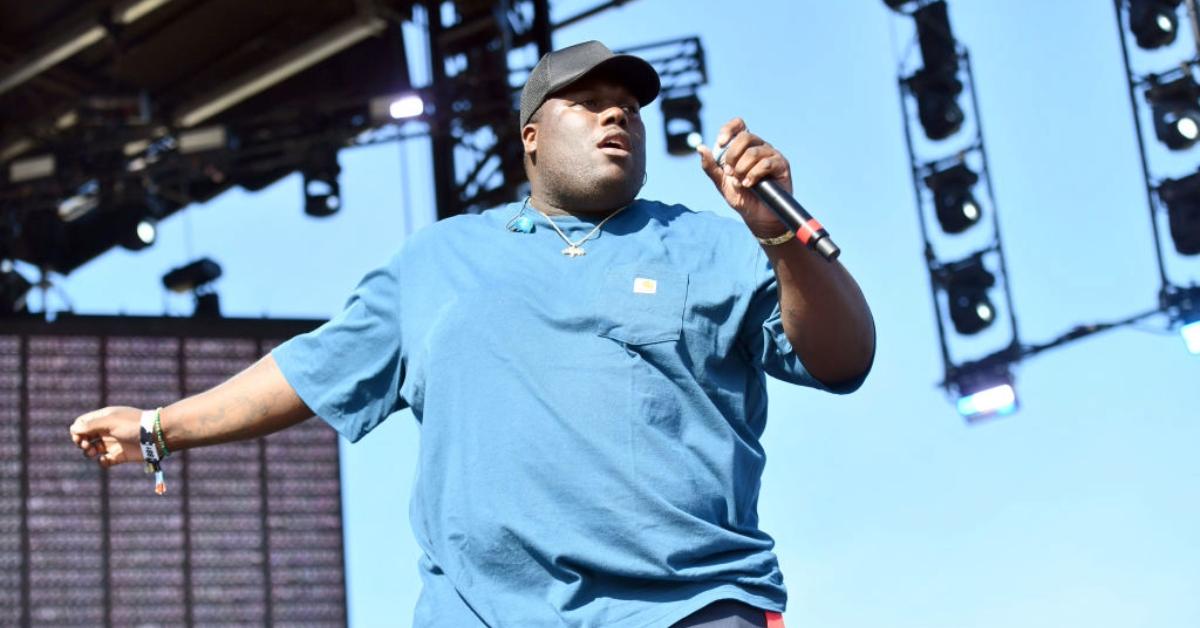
(589, 425)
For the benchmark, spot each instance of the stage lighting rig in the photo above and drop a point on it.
(1153, 22)
(956, 206)
(985, 389)
(322, 193)
(937, 102)
(406, 107)
(681, 122)
(197, 278)
(936, 86)
(1174, 101)
(192, 276)
(938, 48)
(1182, 200)
(1176, 109)
(1183, 307)
(967, 283)
(952, 184)
(143, 234)
(397, 107)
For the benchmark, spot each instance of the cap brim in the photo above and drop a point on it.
(632, 72)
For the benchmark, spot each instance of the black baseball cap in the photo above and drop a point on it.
(561, 68)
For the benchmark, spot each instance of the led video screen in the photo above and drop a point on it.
(248, 533)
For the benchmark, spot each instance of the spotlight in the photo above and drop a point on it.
(409, 106)
(147, 231)
(391, 107)
(14, 288)
(204, 139)
(1182, 198)
(193, 276)
(143, 234)
(935, 38)
(1153, 22)
(197, 278)
(85, 200)
(937, 102)
(957, 209)
(322, 194)
(1183, 305)
(681, 120)
(1176, 109)
(985, 392)
(967, 283)
(1190, 330)
(31, 168)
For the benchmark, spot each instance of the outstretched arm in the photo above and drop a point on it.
(252, 403)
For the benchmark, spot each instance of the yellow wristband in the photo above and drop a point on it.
(787, 235)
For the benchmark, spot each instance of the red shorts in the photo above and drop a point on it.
(730, 614)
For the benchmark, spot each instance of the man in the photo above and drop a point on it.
(587, 369)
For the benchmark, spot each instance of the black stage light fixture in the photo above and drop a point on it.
(967, 283)
(322, 194)
(1153, 22)
(197, 278)
(1176, 109)
(1182, 198)
(681, 121)
(1183, 306)
(937, 102)
(143, 234)
(897, 5)
(985, 392)
(957, 209)
(208, 303)
(193, 276)
(938, 49)
(14, 289)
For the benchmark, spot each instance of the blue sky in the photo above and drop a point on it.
(1080, 510)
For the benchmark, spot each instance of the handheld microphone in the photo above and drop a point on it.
(792, 214)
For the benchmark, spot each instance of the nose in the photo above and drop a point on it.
(614, 115)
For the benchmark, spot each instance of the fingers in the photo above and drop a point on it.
(104, 434)
(731, 129)
(737, 146)
(87, 433)
(747, 159)
(82, 427)
(93, 448)
(756, 166)
(709, 164)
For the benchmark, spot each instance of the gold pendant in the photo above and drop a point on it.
(573, 251)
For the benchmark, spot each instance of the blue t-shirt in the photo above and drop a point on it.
(590, 425)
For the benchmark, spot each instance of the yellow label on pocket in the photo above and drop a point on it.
(641, 285)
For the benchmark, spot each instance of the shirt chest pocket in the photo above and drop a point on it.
(641, 304)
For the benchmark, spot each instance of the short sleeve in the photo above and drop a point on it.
(763, 336)
(349, 371)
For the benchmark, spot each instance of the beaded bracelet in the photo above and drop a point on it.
(158, 433)
(150, 450)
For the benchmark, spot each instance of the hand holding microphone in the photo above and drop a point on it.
(744, 163)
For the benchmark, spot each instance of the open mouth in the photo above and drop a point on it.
(615, 142)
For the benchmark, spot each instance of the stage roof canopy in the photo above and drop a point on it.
(115, 111)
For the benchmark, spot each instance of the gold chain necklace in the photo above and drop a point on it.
(575, 249)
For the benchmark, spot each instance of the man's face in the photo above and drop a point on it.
(589, 146)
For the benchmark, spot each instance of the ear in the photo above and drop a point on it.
(529, 139)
